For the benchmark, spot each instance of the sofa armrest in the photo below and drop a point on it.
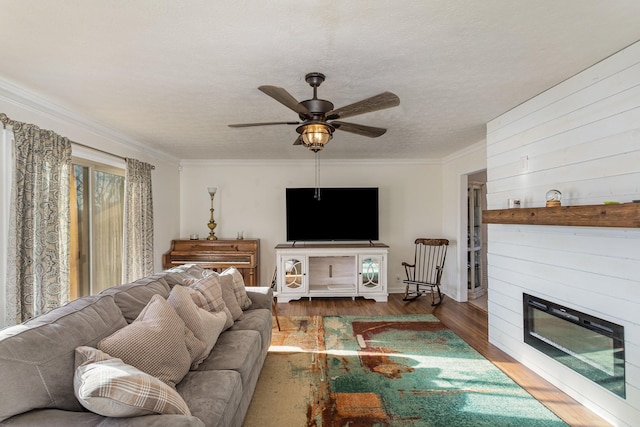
(260, 296)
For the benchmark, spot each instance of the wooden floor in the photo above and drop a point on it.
(470, 323)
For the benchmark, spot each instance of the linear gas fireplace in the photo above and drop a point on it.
(591, 346)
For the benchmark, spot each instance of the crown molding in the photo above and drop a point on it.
(288, 162)
(30, 101)
(478, 146)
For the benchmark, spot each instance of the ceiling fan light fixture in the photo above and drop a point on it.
(319, 119)
(316, 135)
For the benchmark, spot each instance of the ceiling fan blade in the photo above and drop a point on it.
(286, 99)
(244, 125)
(375, 103)
(370, 131)
(298, 141)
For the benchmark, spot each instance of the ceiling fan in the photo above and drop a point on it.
(319, 119)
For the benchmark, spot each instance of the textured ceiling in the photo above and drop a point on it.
(173, 74)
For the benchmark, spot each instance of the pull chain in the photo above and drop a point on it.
(316, 194)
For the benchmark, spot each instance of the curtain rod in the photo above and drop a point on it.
(7, 121)
(103, 152)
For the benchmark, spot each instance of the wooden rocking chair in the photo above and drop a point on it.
(274, 288)
(423, 276)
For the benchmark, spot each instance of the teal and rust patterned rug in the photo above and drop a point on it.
(407, 370)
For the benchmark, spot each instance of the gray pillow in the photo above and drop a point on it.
(155, 343)
(206, 326)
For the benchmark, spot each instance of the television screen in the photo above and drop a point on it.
(346, 214)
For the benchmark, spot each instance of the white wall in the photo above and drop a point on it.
(22, 106)
(251, 197)
(456, 168)
(583, 138)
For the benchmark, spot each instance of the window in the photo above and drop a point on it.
(97, 223)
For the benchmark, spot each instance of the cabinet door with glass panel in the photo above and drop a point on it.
(370, 273)
(293, 279)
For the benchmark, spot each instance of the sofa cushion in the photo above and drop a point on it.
(154, 343)
(238, 287)
(235, 350)
(109, 387)
(205, 326)
(256, 320)
(60, 418)
(213, 396)
(207, 294)
(38, 356)
(133, 297)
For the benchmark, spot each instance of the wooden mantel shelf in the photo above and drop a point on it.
(625, 215)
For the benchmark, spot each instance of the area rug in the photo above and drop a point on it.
(405, 370)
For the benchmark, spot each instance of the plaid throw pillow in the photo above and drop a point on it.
(207, 294)
(238, 287)
(226, 284)
(109, 387)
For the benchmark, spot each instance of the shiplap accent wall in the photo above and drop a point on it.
(581, 137)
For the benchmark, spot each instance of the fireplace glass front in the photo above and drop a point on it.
(591, 346)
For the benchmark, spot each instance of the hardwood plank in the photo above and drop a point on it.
(470, 323)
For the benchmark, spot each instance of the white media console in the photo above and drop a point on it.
(332, 270)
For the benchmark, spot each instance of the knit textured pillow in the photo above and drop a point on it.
(238, 287)
(109, 387)
(155, 343)
(205, 326)
(207, 294)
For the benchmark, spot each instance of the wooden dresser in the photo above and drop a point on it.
(217, 255)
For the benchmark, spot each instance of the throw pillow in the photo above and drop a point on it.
(109, 387)
(154, 343)
(206, 272)
(205, 326)
(238, 287)
(229, 296)
(176, 275)
(190, 281)
(207, 294)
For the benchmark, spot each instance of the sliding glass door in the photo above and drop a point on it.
(97, 227)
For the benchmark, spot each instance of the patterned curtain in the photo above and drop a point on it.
(138, 222)
(38, 249)
(6, 174)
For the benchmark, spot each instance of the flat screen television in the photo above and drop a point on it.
(338, 214)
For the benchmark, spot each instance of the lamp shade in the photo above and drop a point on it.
(315, 136)
(212, 190)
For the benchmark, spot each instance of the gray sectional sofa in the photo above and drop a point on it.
(37, 360)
